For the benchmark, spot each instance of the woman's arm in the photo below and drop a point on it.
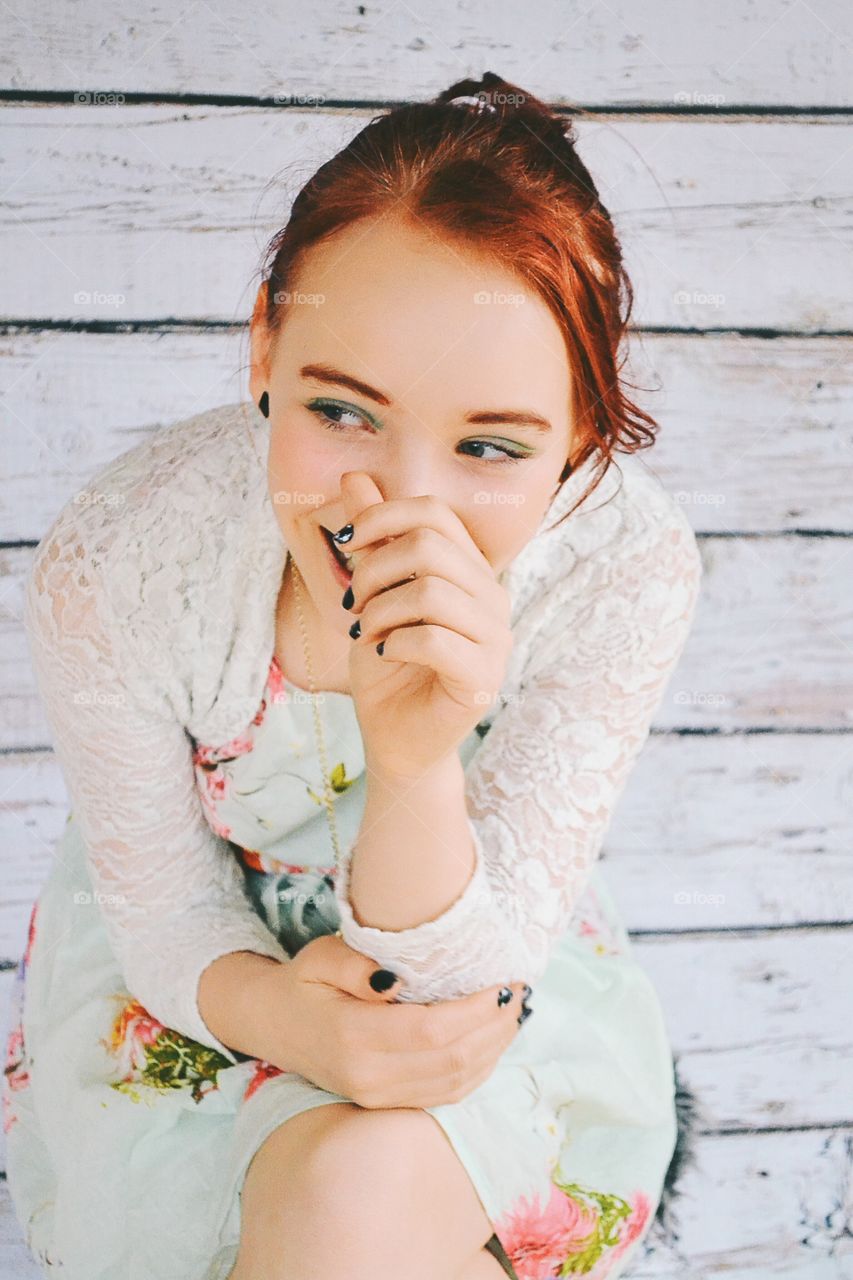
(171, 892)
(425, 822)
(540, 790)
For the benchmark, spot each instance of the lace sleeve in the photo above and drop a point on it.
(542, 788)
(170, 892)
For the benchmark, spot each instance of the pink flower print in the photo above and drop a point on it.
(276, 683)
(579, 1232)
(133, 1030)
(537, 1240)
(16, 1076)
(263, 1071)
(635, 1225)
(213, 784)
(206, 758)
(158, 1058)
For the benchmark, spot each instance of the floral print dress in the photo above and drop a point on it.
(127, 1143)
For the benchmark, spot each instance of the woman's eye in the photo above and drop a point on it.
(503, 454)
(325, 409)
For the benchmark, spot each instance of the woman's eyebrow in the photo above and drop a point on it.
(484, 417)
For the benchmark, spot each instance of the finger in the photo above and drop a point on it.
(424, 1027)
(417, 554)
(442, 1074)
(399, 515)
(331, 961)
(358, 491)
(452, 657)
(426, 600)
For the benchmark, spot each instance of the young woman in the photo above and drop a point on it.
(345, 684)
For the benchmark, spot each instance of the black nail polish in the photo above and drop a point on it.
(382, 979)
(264, 404)
(525, 1013)
(528, 991)
(380, 648)
(349, 599)
(355, 629)
(504, 996)
(344, 534)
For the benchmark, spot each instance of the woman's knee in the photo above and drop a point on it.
(362, 1157)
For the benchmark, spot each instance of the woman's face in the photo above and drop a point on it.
(434, 335)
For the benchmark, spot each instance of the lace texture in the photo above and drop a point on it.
(150, 617)
(170, 890)
(542, 788)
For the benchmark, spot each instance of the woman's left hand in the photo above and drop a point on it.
(424, 588)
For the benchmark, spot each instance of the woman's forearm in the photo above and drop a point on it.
(414, 853)
(227, 1002)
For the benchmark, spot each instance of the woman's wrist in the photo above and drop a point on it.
(231, 1000)
(397, 775)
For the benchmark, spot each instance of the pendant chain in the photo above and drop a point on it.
(318, 725)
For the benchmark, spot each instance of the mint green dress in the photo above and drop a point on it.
(128, 1143)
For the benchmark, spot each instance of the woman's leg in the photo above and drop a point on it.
(372, 1194)
(484, 1267)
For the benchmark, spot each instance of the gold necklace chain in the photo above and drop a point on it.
(318, 724)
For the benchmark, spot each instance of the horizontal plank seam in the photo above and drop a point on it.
(298, 101)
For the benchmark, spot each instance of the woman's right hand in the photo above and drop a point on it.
(323, 1019)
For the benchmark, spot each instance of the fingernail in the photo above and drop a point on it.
(525, 1013)
(382, 979)
(528, 990)
(504, 996)
(380, 648)
(355, 629)
(349, 599)
(344, 534)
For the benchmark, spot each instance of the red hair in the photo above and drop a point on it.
(501, 174)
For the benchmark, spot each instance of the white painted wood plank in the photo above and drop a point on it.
(621, 53)
(759, 1023)
(754, 432)
(759, 1207)
(147, 212)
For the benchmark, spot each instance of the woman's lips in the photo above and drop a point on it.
(343, 574)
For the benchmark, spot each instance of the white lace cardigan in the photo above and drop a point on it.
(150, 612)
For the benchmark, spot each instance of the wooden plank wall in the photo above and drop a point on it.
(148, 153)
